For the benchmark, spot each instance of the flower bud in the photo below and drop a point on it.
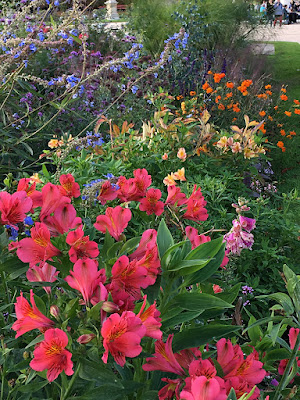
(25, 355)
(110, 307)
(54, 311)
(84, 339)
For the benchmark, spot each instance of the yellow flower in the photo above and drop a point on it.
(53, 143)
(35, 178)
(179, 175)
(222, 142)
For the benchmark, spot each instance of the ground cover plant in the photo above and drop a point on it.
(149, 251)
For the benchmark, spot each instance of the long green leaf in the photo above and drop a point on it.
(164, 238)
(199, 301)
(195, 337)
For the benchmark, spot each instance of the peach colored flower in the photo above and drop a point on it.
(169, 180)
(180, 175)
(165, 156)
(181, 154)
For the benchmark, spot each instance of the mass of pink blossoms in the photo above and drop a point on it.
(119, 290)
(202, 380)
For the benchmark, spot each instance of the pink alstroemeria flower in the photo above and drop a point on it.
(164, 359)
(81, 246)
(115, 221)
(42, 273)
(38, 248)
(122, 336)
(69, 187)
(85, 278)
(29, 318)
(151, 320)
(13, 207)
(51, 354)
(151, 203)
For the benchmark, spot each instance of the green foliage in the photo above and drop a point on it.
(152, 20)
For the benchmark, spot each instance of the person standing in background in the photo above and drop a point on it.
(278, 12)
(270, 12)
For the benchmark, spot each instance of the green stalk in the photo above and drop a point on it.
(71, 382)
(285, 377)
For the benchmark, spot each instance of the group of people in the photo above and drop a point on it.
(276, 11)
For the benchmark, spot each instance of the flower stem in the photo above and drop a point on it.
(71, 382)
(285, 377)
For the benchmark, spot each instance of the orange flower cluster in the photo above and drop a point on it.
(218, 77)
(244, 86)
(280, 144)
(284, 97)
(206, 86)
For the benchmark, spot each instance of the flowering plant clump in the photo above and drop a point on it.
(115, 295)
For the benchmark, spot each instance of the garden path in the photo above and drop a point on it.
(287, 33)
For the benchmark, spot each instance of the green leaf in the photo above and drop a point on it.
(32, 387)
(205, 250)
(195, 337)
(277, 354)
(282, 298)
(293, 286)
(92, 371)
(187, 267)
(45, 171)
(130, 245)
(180, 318)
(231, 294)
(166, 257)
(199, 301)
(38, 339)
(164, 238)
(232, 395)
(209, 269)
(263, 321)
(94, 312)
(254, 333)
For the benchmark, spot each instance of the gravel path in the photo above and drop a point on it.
(287, 33)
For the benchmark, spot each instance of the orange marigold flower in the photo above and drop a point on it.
(179, 97)
(221, 107)
(266, 140)
(269, 92)
(228, 95)
(209, 72)
(209, 90)
(270, 118)
(268, 87)
(297, 102)
(192, 93)
(218, 77)
(297, 111)
(205, 86)
(229, 106)
(289, 136)
(245, 93)
(236, 109)
(242, 88)
(262, 96)
(292, 133)
(280, 144)
(288, 113)
(284, 97)
(282, 132)
(283, 90)
(262, 113)
(229, 85)
(247, 83)
(217, 99)
(276, 108)
(234, 119)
